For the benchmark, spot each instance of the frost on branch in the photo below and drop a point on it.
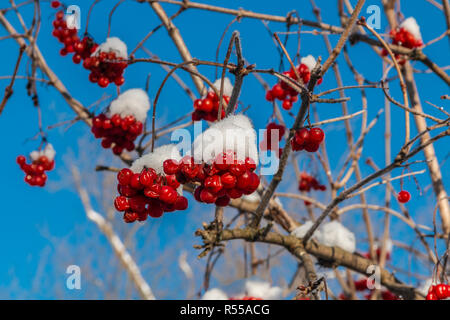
(332, 234)
(233, 133)
(133, 102)
(115, 45)
(156, 158)
(411, 26)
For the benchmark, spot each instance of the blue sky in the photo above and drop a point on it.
(34, 219)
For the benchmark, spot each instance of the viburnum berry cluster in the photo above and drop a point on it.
(208, 107)
(438, 292)
(108, 63)
(307, 182)
(403, 196)
(283, 92)
(41, 161)
(220, 181)
(146, 191)
(406, 35)
(273, 130)
(307, 139)
(123, 123)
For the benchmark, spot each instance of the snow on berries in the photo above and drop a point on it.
(108, 63)
(224, 161)
(406, 35)
(123, 122)
(146, 191)
(307, 139)
(438, 292)
(207, 108)
(403, 196)
(249, 289)
(307, 182)
(283, 92)
(272, 136)
(41, 161)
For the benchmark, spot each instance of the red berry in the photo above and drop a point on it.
(168, 194)
(207, 196)
(55, 4)
(403, 196)
(76, 58)
(278, 92)
(124, 176)
(431, 296)
(316, 135)
(153, 191)
(287, 105)
(130, 216)
(250, 164)
(147, 177)
(207, 105)
(223, 201)
(121, 203)
(21, 160)
(156, 209)
(234, 193)
(213, 183)
(135, 181)
(269, 96)
(244, 181)
(228, 180)
(181, 203)
(172, 181)
(103, 82)
(301, 136)
(171, 166)
(238, 168)
(441, 291)
(311, 146)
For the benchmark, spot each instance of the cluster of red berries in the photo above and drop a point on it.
(307, 183)
(117, 130)
(404, 38)
(403, 196)
(224, 179)
(106, 68)
(266, 143)
(147, 194)
(308, 140)
(283, 92)
(208, 108)
(438, 292)
(35, 172)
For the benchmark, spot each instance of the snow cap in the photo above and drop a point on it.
(133, 102)
(263, 290)
(411, 25)
(309, 61)
(334, 234)
(156, 158)
(48, 151)
(301, 231)
(227, 86)
(234, 132)
(115, 45)
(215, 294)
